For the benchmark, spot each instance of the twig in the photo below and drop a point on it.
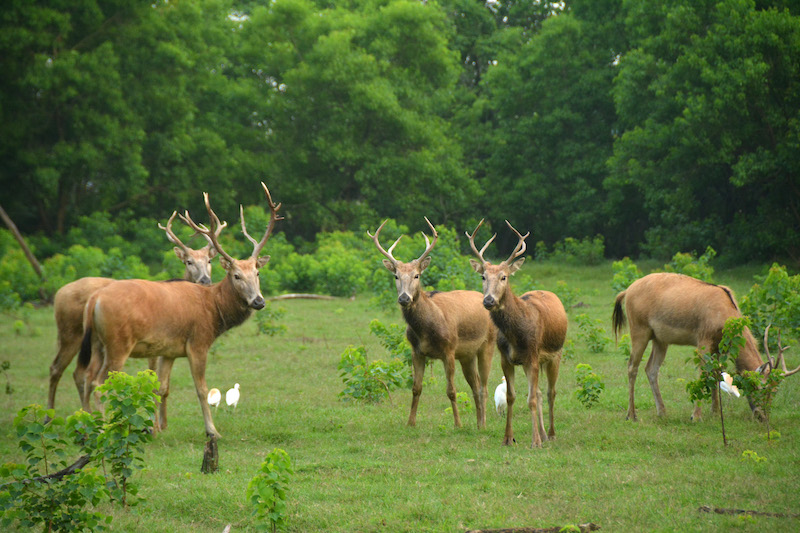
(583, 527)
(719, 510)
(71, 469)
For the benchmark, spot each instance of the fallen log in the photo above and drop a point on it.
(294, 296)
(718, 510)
(582, 527)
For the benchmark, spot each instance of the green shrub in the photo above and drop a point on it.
(590, 385)
(775, 300)
(464, 402)
(568, 295)
(592, 333)
(369, 382)
(19, 281)
(267, 320)
(586, 251)
(266, 492)
(689, 264)
(625, 273)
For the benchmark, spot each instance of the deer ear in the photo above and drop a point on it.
(477, 266)
(212, 252)
(516, 265)
(261, 261)
(180, 253)
(389, 265)
(224, 263)
(425, 263)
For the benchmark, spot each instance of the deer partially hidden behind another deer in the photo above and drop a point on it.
(70, 301)
(669, 308)
(138, 318)
(532, 329)
(450, 326)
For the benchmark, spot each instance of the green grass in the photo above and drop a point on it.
(360, 468)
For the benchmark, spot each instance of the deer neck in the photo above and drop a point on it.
(421, 312)
(230, 309)
(511, 315)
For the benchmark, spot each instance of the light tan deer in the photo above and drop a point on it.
(532, 329)
(138, 318)
(71, 299)
(668, 308)
(450, 326)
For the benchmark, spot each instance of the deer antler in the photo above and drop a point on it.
(521, 246)
(387, 253)
(274, 217)
(428, 245)
(171, 235)
(472, 242)
(778, 360)
(210, 234)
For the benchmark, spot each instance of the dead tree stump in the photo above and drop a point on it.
(210, 456)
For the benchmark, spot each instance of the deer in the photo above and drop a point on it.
(668, 308)
(532, 329)
(448, 325)
(142, 319)
(71, 299)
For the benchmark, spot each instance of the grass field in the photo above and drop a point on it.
(360, 468)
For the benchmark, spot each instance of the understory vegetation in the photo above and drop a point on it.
(356, 466)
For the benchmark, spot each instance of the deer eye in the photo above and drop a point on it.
(483, 278)
(237, 276)
(503, 278)
(396, 276)
(189, 263)
(416, 277)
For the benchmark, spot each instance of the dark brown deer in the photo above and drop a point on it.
(71, 299)
(138, 318)
(668, 308)
(532, 329)
(450, 326)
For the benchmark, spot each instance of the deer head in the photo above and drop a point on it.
(242, 273)
(197, 262)
(406, 275)
(496, 277)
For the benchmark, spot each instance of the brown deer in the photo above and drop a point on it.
(71, 299)
(138, 318)
(669, 308)
(532, 329)
(450, 326)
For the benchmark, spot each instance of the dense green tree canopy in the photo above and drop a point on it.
(663, 126)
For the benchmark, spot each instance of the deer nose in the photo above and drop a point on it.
(488, 301)
(205, 280)
(404, 299)
(258, 303)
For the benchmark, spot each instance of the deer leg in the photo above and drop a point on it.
(197, 365)
(164, 370)
(511, 395)
(418, 363)
(552, 376)
(67, 348)
(450, 374)
(484, 367)
(470, 370)
(638, 344)
(532, 372)
(654, 363)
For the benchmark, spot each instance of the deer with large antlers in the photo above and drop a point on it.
(668, 308)
(138, 318)
(70, 300)
(532, 329)
(450, 326)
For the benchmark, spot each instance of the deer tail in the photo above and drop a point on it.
(85, 355)
(618, 316)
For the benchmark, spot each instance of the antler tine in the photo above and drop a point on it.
(273, 218)
(779, 360)
(472, 242)
(520, 248)
(210, 234)
(428, 245)
(387, 253)
(170, 234)
(244, 226)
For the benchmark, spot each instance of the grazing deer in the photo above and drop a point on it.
(532, 329)
(669, 308)
(138, 318)
(450, 326)
(71, 299)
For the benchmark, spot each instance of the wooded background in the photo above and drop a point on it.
(662, 126)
